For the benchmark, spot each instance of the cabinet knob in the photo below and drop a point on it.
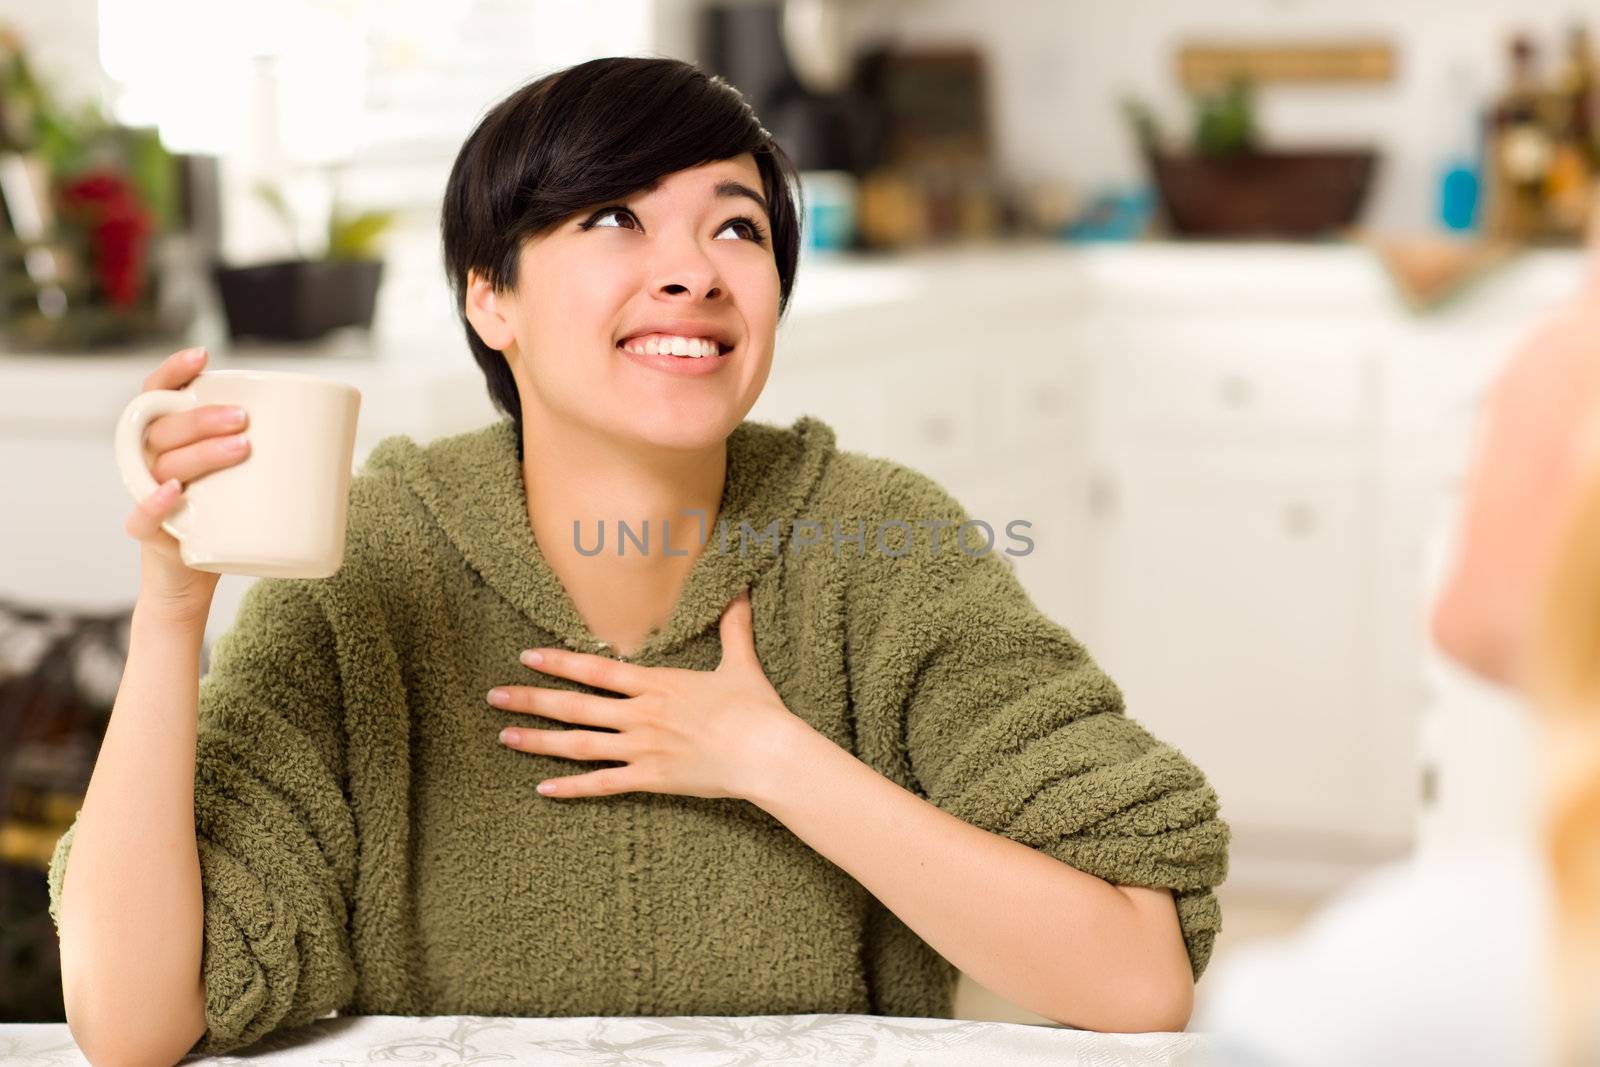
(1236, 391)
(1048, 400)
(1102, 496)
(1300, 520)
(938, 429)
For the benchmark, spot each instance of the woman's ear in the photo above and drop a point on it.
(487, 314)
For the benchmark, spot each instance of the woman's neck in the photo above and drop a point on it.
(620, 590)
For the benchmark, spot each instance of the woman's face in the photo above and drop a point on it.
(673, 260)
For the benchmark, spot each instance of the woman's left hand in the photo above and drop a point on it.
(693, 733)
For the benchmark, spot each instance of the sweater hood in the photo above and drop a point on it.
(472, 486)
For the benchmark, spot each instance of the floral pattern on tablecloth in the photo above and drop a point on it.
(666, 1041)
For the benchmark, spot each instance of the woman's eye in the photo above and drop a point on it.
(607, 213)
(752, 231)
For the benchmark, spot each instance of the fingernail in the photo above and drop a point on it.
(508, 737)
(235, 443)
(532, 658)
(195, 355)
(169, 487)
(499, 696)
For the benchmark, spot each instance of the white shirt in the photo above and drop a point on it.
(1435, 961)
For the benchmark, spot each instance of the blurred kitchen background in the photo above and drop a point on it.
(1209, 294)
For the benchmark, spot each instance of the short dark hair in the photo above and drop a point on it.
(590, 133)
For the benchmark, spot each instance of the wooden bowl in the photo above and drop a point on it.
(1263, 194)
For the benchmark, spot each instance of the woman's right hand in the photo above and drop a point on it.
(181, 447)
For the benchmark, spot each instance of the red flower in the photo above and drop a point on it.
(120, 226)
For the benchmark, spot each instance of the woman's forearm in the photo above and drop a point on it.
(131, 911)
(1044, 935)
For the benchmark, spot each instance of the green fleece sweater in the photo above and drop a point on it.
(367, 845)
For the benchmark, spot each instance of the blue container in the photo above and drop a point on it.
(830, 222)
(1458, 196)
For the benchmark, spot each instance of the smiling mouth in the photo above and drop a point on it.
(682, 348)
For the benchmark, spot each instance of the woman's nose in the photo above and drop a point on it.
(690, 270)
(674, 289)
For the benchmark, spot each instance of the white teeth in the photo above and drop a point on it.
(689, 347)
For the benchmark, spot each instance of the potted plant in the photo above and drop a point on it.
(1228, 185)
(303, 298)
(85, 206)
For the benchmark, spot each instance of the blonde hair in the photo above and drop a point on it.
(1564, 682)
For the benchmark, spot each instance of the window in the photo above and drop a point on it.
(385, 79)
(383, 90)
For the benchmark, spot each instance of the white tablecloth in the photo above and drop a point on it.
(689, 1041)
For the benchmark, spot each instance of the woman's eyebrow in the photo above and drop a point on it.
(730, 187)
(725, 188)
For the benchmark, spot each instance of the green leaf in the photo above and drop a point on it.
(356, 236)
(154, 173)
(1225, 122)
(1146, 128)
(273, 197)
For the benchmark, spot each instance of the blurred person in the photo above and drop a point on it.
(828, 778)
(1490, 955)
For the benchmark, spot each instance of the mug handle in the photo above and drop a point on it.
(129, 448)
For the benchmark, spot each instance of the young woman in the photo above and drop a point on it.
(841, 752)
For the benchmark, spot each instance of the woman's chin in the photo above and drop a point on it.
(682, 427)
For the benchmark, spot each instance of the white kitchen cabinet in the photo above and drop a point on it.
(1235, 550)
(1234, 609)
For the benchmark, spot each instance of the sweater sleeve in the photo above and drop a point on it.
(274, 831)
(1000, 717)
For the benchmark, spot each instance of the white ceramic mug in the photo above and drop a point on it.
(279, 512)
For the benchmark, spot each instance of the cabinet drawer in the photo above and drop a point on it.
(1238, 389)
